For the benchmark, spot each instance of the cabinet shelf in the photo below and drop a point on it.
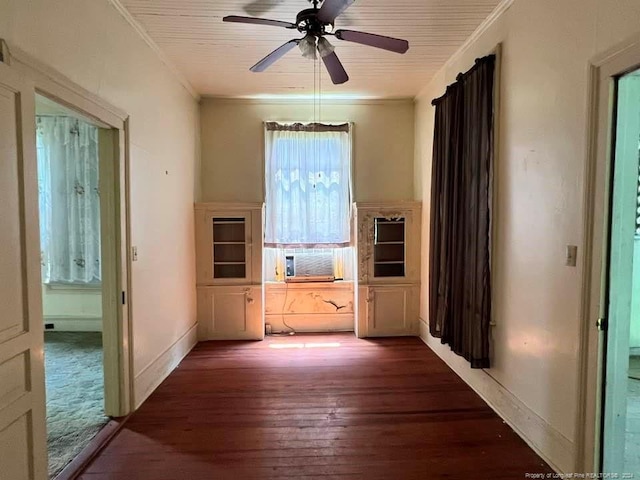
(229, 244)
(389, 248)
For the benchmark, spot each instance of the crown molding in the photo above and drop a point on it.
(122, 10)
(306, 101)
(497, 12)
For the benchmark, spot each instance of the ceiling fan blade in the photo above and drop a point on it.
(379, 41)
(274, 56)
(330, 9)
(258, 21)
(336, 70)
(260, 7)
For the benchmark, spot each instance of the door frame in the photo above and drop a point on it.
(116, 259)
(603, 69)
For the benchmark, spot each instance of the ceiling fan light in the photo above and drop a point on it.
(308, 47)
(324, 47)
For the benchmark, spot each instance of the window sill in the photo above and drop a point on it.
(89, 287)
(338, 284)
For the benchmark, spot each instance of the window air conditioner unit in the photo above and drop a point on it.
(310, 267)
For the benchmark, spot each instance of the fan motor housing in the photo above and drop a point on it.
(307, 21)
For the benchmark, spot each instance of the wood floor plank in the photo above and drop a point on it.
(314, 406)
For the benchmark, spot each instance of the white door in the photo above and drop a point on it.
(22, 402)
(622, 377)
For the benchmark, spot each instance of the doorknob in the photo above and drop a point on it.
(602, 324)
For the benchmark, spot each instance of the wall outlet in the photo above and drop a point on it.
(572, 255)
(134, 254)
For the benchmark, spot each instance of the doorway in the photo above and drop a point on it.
(621, 367)
(73, 155)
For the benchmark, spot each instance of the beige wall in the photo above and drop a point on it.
(539, 183)
(233, 146)
(72, 309)
(90, 43)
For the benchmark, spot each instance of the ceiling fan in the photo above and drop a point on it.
(316, 23)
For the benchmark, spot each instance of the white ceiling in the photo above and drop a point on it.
(215, 57)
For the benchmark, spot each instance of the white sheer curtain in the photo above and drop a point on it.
(69, 197)
(308, 185)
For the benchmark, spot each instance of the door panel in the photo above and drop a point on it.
(12, 322)
(14, 445)
(22, 403)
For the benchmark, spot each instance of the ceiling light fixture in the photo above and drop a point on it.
(324, 47)
(308, 47)
(314, 23)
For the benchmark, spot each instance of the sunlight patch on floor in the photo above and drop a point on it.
(304, 345)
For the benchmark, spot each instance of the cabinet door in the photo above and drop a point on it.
(391, 310)
(389, 246)
(224, 248)
(230, 313)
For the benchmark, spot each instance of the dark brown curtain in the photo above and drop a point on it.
(461, 198)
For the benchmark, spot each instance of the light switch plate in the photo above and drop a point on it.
(134, 254)
(572, 255)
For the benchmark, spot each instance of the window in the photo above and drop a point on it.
(69, 198)
(308, 185)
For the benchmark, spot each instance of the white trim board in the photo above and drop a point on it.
(157, 371)
(59, 88)
(297, 100)
(66, 323)
(545, 440)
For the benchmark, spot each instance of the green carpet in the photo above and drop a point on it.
(75, 394)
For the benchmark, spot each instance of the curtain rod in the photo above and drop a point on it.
(462, 76)
(306, 127)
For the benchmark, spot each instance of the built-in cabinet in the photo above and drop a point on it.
(382, 301)
(388, 246)
(229, 242)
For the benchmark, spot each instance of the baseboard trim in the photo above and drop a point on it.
(154, 374)
(554, 448)
(62, 323)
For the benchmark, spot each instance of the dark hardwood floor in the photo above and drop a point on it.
(314, 406)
